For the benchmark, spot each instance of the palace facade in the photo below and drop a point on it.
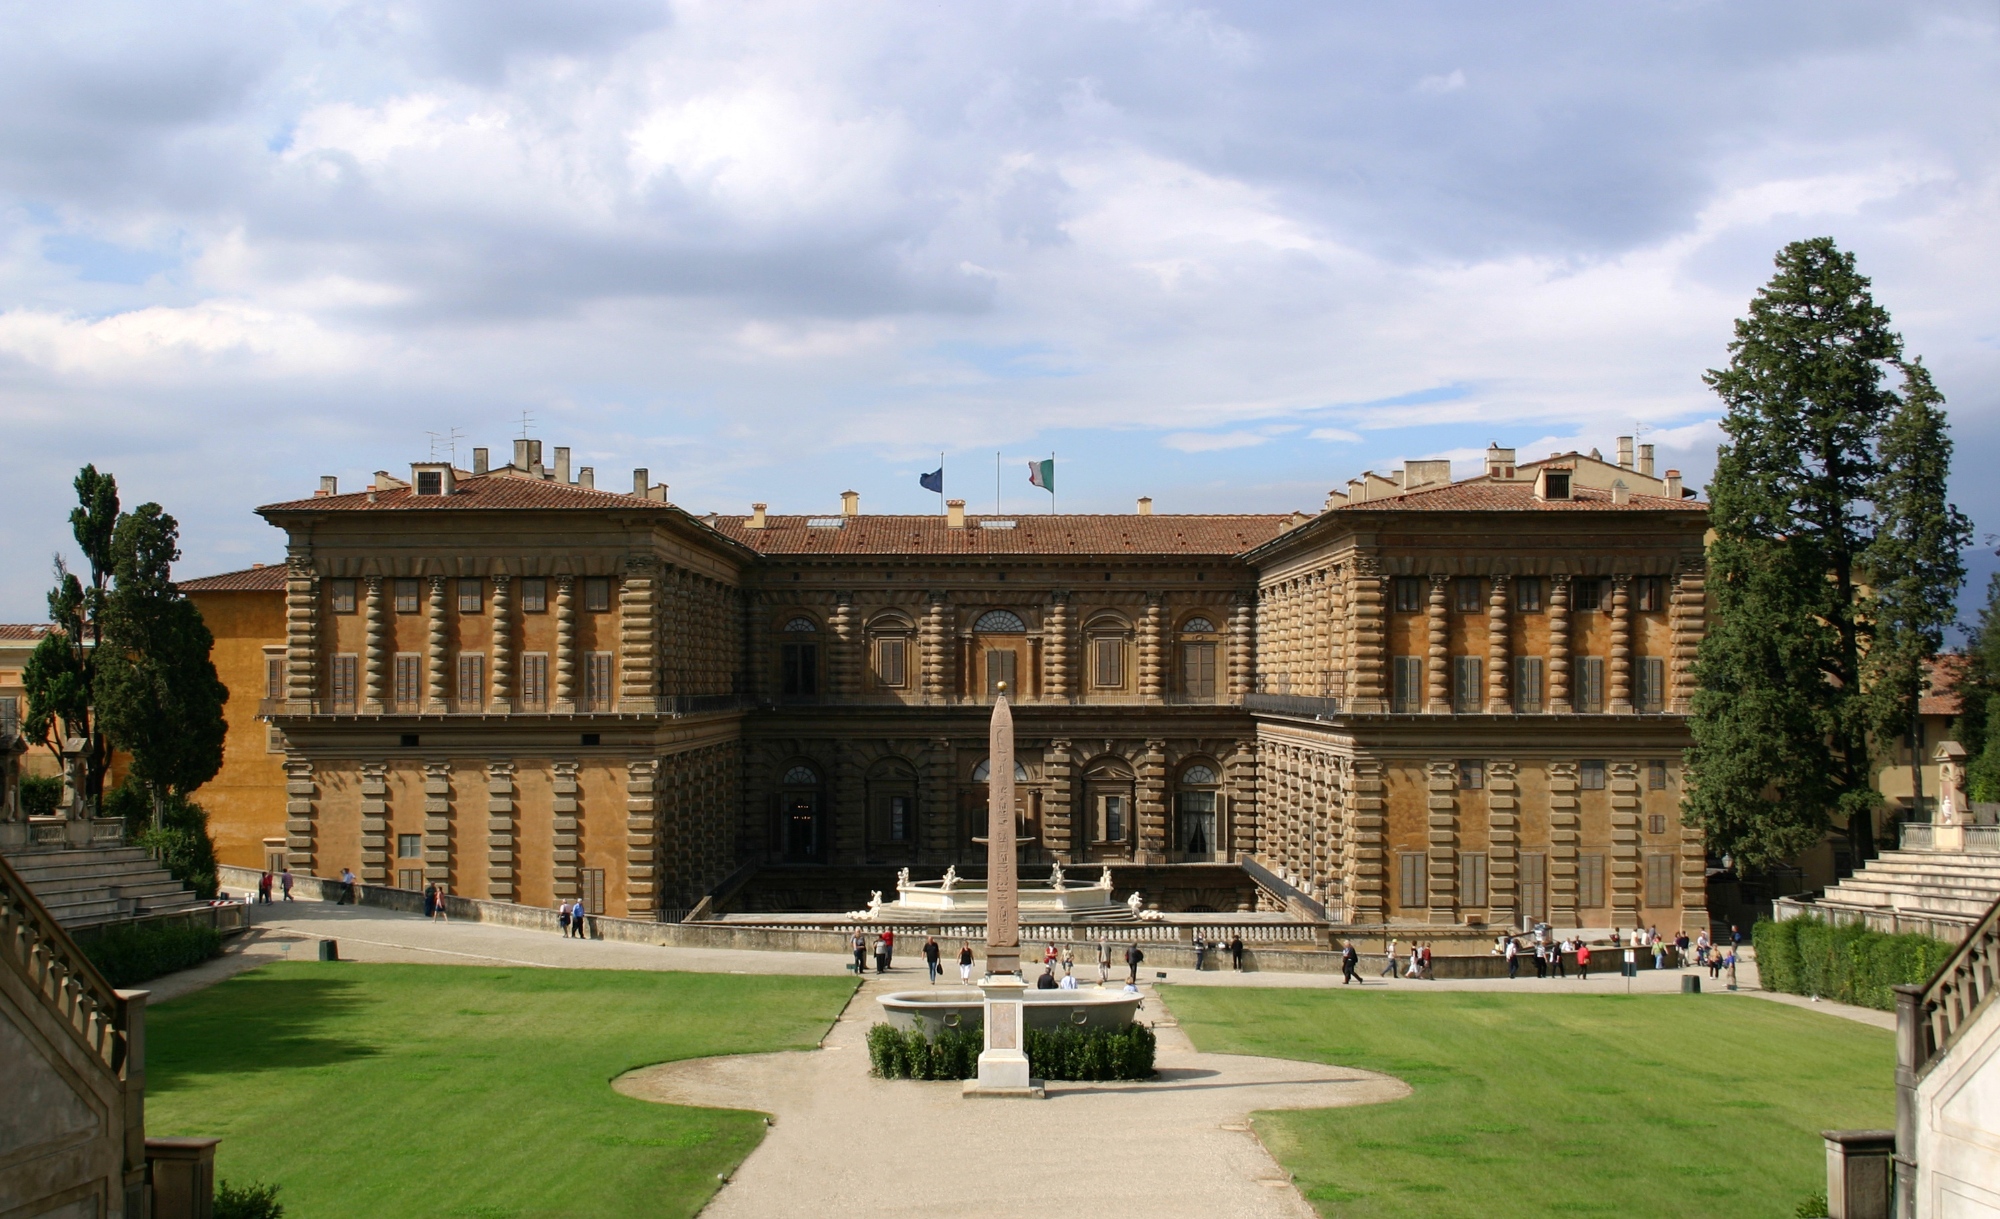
(1436, 701)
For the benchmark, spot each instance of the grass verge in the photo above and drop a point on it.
(452, 1092)
(1644, 1106)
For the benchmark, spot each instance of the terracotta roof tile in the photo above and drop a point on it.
(263, 578)
(479, 491)
(1066, 534)
(1941, 696)
(1487, 495)
(26, 632)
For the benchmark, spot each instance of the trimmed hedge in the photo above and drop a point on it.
(130, 954)
(1061, 1053)
(1845, 962)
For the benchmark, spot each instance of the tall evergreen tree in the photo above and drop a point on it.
(60, 675)
(1818, 468)
(1978, 726)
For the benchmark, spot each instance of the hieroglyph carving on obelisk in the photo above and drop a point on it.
(1003, 923)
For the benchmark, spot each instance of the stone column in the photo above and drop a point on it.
(1438, 670)
(639, 636)
(643, 838)
(1367, 894)
(1558, 648)
(1150, 796)
(1242, 646)
(375, 823)
(568, 831)
(1499, 647)
(1689, 622)
(501, 696)
(843, 659)
(500, 845)
(375, 654)
(1442, 779)
(1370, 653)
(301, 832)
(1503, 821)
(1059, 814)
(565, 699)
(437, 824)
(1621, 645)
(1056, 649)
(1625, 879)
(1152, 672)
(438, 658)
(1563, 840)
(302, 609)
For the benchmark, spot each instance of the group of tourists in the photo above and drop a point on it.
(571, 915)
(434, 904)
(264, 884)
(1551, 957)
(1419, 961)
(884, 946)
(1234, 947)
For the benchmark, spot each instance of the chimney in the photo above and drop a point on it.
(521, 456)
(757, 516)
(329, 484)
(1425, 474)
(1673, 484)
(1335, 498)
(1624, 452)
(954, 514)
(850, 503)
(535, 459)
(1620, 493)
(1499, 462)
(381, 482)
(587, 477)
(479, 465)
(562, 463)
(1145, 505)
(1357, 490)
(639, 481)
(1646, 460)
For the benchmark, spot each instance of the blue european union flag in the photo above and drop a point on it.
(934, 481)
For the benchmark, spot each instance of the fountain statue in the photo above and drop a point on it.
(1056, 877)
(1135, 903)
(1104, 881)
(950, 881)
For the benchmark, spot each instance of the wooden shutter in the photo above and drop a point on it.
(1589, 881)
(1414, 894)
(344, 669)
(1659, 881)
(471, 680)
(1534, 887)
(1472, 878)
(1528, 684)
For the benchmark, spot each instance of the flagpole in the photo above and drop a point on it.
(996, 483)
(940, 484)
(1052, 482)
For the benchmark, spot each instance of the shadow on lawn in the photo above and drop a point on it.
(256, 1022)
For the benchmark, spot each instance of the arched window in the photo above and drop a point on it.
(984, 772)
(888, 651)
(801, 624)
(1107, 635)
(1197, 626)
(999, 622)
(1198, 776)
(802, 776)
(798, 659)
(1197, 801)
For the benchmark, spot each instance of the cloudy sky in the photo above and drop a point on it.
(1227, 257)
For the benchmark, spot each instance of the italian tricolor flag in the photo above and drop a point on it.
(1043, 474)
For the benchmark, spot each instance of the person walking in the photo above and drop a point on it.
(1512, 952)
(888, 946)
(931, 958)
(1416, 961)
(562, 916)
(1428, 975)
(1659, 954)
(1389, 960)
(576, 924)
(1200, 951)
(859, 944)
(1236, 952)
(1069, 960)
(1049, 956)
(264, 889)
(1349, 961)
(964, 961)
(347, 895)
(1556, 951)
(286, 880)
(1583, 960)
(881, 954)
(430, 900)
(1133, 959)
(1103, 960)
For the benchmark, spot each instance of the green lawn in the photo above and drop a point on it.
(441, 1092)
(1532, 1105)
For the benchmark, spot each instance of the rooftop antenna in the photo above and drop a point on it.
(448, 441)
(527, 421)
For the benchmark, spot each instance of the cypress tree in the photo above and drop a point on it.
(1978, 725)
(60, 675)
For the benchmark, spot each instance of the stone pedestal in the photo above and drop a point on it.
(1003, 1064)
(1860, 1173)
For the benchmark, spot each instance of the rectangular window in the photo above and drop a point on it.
(409, 681)
(10, 714)
(409, 846)
(1409, 595)
(1528, 685)
(798, 670)
(1586, 594)
(274, 740)
(1651, 594)
(471, 680)
(471, 596)
(1528, 594)
(999, 668)
(1534, 887)
(592, 881)
(1198, 670)
(1656, 775)
(535, 681)
(889, 662)
(1469, 595)
(274, 677)
(1108, 657)
(1589, 882)
(1413, 894)
(596, 594)
(1110, 818)
(535, 595)
(1406, 688)
(1471, 774)
(598, 682)
(899, 818)
(343, 596)
(1659, 881)
(1590, 683)
(345, 669)
(1472, 878)
(1649, 693)
(1590, 774)
(408, 594)
(1656, 823)
(1468, 684)
(410, 878)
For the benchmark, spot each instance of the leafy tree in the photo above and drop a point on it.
(1830, 531)
(40, 796)
(60, 675)
(173, 828)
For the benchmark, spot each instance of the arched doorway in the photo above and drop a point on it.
(799, 814)
(1198, 798)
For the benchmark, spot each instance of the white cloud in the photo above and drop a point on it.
(1341, 435)
(1209, 442)
(1449, 82)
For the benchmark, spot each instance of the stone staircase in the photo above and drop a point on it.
(1941, 893)
(89, 885)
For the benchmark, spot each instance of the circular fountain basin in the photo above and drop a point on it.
(964, 1008)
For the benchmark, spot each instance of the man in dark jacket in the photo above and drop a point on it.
(1133, 958)
(1348, 960)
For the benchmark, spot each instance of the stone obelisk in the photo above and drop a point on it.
(1003, 1062)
